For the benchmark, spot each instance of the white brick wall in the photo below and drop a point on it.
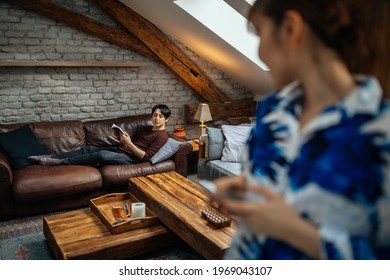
(55, 93)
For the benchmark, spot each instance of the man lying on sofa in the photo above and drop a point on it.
(142, 148)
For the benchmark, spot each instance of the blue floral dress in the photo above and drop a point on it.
(335, 172)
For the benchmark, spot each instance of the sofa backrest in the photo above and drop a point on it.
(99, 132)
(64, 136)
(60, 136)
(56, 137)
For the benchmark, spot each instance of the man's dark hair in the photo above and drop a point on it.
(164, 110)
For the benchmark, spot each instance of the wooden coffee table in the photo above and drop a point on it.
(80, 234)
(178, 203)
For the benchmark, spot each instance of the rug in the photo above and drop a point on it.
(23, 239)
(31, 246)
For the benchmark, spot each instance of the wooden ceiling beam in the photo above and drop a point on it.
(86, 24)
(145, 39)
(174, 59)
(223, 110)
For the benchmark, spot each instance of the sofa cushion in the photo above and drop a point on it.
(215, 143)
(20, 143)
(38, 183)
(214, 169)
(166, 151)
(236, 137)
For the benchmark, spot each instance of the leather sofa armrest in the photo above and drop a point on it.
(7, 208)
(5, 172)
(181, 157)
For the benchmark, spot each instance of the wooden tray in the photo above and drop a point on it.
(103, 208)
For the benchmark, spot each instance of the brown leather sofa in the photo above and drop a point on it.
(42, 189)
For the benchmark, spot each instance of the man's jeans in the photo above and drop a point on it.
(96, 156)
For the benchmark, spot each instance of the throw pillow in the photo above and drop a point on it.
(236, 137)
(215, 143)
(19, 144)
(166, 151)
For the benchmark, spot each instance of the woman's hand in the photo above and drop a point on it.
(270, 216)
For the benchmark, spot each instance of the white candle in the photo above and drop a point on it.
(138, 210)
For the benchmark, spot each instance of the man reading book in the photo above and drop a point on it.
(142, 148)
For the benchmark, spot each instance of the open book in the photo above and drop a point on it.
(117, 128)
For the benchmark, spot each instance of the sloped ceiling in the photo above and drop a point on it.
(180, 25)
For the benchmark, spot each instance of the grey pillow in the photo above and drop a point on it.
(215, 143)
(166, 151)
(236, 137)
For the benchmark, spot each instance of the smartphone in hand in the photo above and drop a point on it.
(209, 185)
(231, 194)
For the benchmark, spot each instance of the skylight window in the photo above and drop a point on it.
(251, 1)
(225, 22)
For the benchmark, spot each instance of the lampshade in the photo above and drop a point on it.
(203, 113)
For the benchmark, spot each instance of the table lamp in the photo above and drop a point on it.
(203, 115)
